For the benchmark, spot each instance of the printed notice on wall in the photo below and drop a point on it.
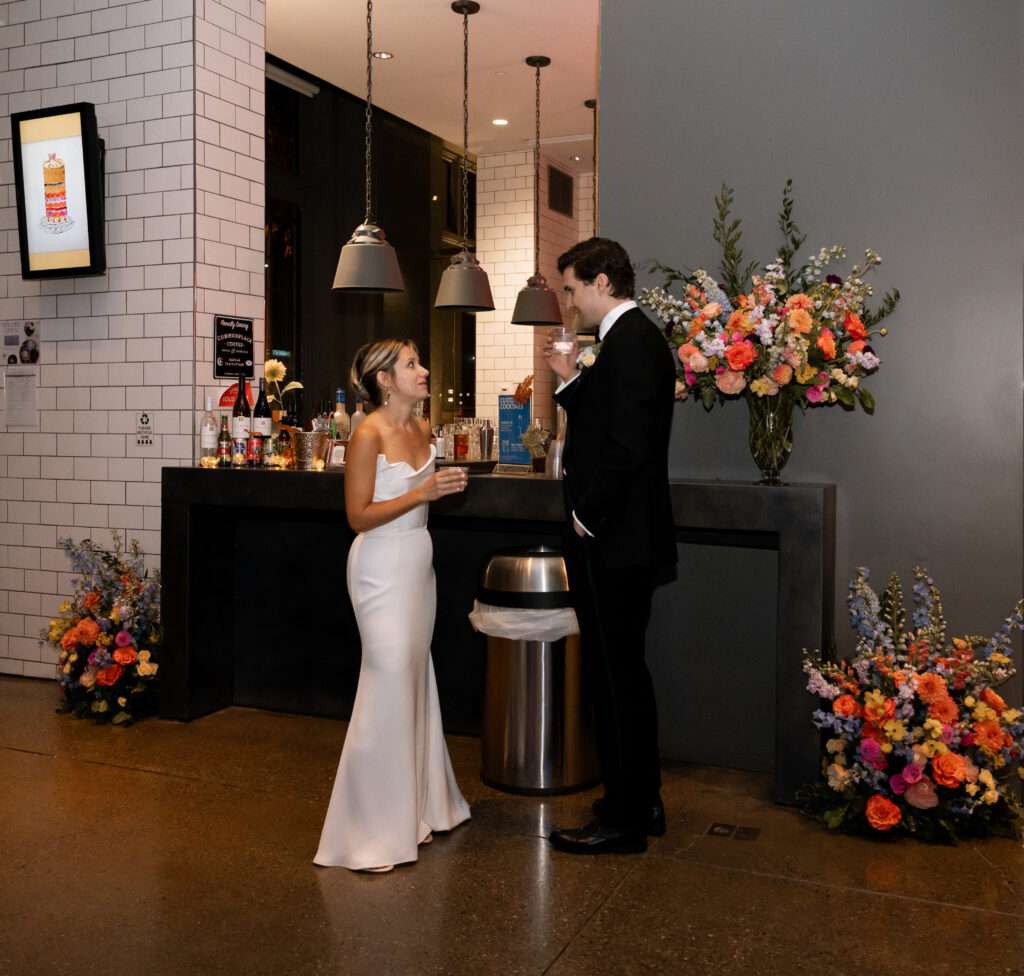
(21, 342)
(232, 346)
(143, 430)
(20, 407)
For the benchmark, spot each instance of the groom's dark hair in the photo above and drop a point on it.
(600, 255)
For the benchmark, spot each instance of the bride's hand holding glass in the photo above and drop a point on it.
(446, 481)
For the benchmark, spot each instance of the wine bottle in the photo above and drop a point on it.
(224, 444)
(357, 416)
(208, 432)
(261, 419)
(240, 413)
(341, 421)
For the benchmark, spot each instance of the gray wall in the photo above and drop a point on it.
(902, 127)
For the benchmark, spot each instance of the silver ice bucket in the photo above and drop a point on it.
(308, 447)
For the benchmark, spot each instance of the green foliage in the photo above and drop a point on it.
(888, 306)
(892, 612)
(792, 239)
(735, 280)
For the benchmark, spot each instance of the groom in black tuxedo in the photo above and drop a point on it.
(620, 540)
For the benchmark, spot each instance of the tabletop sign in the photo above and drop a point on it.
(232, 346)
(513, 419)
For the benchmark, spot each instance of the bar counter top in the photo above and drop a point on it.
(257, 613)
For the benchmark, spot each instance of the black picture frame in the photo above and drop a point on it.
(60, 192)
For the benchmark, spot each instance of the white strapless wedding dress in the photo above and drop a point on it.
(395, 782)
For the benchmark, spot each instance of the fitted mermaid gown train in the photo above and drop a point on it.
(395, 782)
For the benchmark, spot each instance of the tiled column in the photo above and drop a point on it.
(178, 89)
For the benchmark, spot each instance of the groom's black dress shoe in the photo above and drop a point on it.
(655, 825)
(598, 838)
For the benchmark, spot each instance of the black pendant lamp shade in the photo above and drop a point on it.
(537, 304)
(464, 285)
(368, 263)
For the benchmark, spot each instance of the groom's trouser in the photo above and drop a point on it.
(613, 607)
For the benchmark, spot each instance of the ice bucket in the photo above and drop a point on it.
(308, 447)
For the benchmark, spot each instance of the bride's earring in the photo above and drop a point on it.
(387, 395)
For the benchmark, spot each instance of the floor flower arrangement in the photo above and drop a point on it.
(108, 634)
(919, 741)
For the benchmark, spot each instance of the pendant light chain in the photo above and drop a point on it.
(369, 95)
(465, 131)
(536, 185)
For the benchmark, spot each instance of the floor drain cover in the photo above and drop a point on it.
(721, 830)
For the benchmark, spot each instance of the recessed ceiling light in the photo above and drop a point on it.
(500, 74)
(383, 55)
(499, 121)
(575, 159)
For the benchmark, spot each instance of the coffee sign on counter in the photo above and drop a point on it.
(232, 346)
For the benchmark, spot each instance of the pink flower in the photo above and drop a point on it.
(897, 783)
(946, 736)
(870, 749)
(698, 362)
(690, 378)
(912, 773)
(922, 794)
(123, 639)
(814, 394)
(731, 381)
(681, 391)
(967, 740)
(87, 679)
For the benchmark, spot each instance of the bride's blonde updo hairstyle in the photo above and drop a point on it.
(374, 358)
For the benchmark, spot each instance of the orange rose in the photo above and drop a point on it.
(944, 709)
(712, 310)
(949, 769)
(882, 813)
(854, 326)
(88, 631)
(110, 675)
(880, 713)
(125, 655)
(988, 737)
(827, 344)
(783, 374)
(800, 321)
(931, 687)
(739, 321)
(800, 300)
(990, 698)
(740, 355)
(845, 706)
(70, 639)
(90, 600)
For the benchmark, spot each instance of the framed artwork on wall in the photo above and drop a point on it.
(58, 180)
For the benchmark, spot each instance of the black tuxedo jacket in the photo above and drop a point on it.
(615, 458)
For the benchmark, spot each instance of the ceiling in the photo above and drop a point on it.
(422, 83)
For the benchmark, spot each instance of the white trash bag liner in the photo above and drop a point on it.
(524, 625)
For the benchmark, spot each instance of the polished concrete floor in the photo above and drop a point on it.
(171, 848)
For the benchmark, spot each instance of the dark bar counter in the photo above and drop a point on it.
(256, 610)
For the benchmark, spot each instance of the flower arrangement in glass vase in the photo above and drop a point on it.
(918, 739)
(108, 634)
(779, 337)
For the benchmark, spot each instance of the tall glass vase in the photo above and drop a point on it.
(771, 434)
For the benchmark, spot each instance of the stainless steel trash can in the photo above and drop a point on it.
(537, 735)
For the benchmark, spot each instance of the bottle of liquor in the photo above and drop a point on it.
(240, 424)
(240, 413)
(224, 444)
(262, 422)
(208, 432)
(342, 424)
(357, 416)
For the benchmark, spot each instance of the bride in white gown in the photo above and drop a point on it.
(395, 782)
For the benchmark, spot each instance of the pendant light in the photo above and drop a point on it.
(368, 263)
(591, 103)
(536, 304)
(464, 285)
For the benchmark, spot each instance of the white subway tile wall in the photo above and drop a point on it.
(506, 354)
(178, 87)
